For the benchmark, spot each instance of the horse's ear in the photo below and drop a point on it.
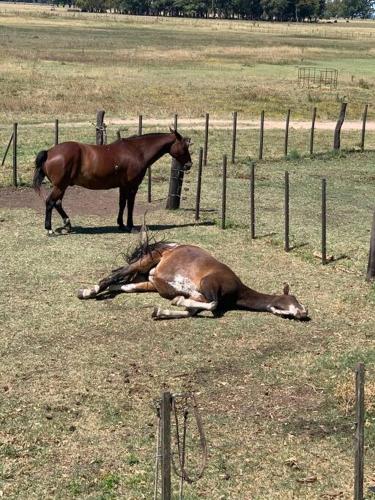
(286, 289)
(177, 135)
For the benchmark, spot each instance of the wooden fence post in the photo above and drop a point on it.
(140, 124)
(324, 221)
(175, 185)
(15, 181)
(199, 182)
(206, 139)
(175, 121)
(252, 201)
(56, 132)
(312, 132)
(359, 431)
(340, 121)
(165, 415)
(261, 135)
(286, 212)
(286, 133)
(234, 136)
(364, 119)
(224, 193)
(371, 256)
(100, 127)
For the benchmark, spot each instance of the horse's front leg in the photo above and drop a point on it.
(122, 204)
(131, 200)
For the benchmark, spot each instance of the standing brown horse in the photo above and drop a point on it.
(122, 164)
(192, 278)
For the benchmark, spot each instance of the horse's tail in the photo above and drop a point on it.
(39, 173)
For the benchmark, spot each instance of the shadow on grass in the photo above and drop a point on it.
(136, 229)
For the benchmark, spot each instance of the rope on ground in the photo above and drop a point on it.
(189, 400)
(182, 471)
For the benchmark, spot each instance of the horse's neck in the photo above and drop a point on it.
(157, 147)
(253, 300)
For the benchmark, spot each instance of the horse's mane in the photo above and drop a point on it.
(136, 136)
(142, 248)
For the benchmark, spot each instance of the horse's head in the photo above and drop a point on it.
(180, 150)
(288, 306)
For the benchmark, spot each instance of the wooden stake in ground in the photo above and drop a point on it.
(7, 149)
(359, 431)
(324, 221)
(199, 183)
(56, 132)
(261, 135)
(252, 201)
(165, 415)
(15, 128)
(363, 133)
(371, 256)
(224, 193)
(234, 136)
(175, 186)
(286, 213)
(286, 133)
(340, 121)
(206, 139)
(100, 127)
(312, 131)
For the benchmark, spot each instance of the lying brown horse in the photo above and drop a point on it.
(192, 278)
(122, 164)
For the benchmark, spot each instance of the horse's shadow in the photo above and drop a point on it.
(136, 229)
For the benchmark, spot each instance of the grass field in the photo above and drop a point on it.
(78, 380)
(66, 65)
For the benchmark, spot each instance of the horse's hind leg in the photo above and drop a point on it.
(63, 214)
(55, 195)
(123, 274)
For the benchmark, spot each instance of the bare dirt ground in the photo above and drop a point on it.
(222, 124)
(77, 200)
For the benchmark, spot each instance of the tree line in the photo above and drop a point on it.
(274, 10)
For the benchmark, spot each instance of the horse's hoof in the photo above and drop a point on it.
(50, 232)
(155, 313)
(84, 293)
(66, 230)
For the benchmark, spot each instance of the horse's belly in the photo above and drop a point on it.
(97, 182)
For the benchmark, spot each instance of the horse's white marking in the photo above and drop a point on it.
(128, 288)
(291, 311)
(172, 245)
(183, 285)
